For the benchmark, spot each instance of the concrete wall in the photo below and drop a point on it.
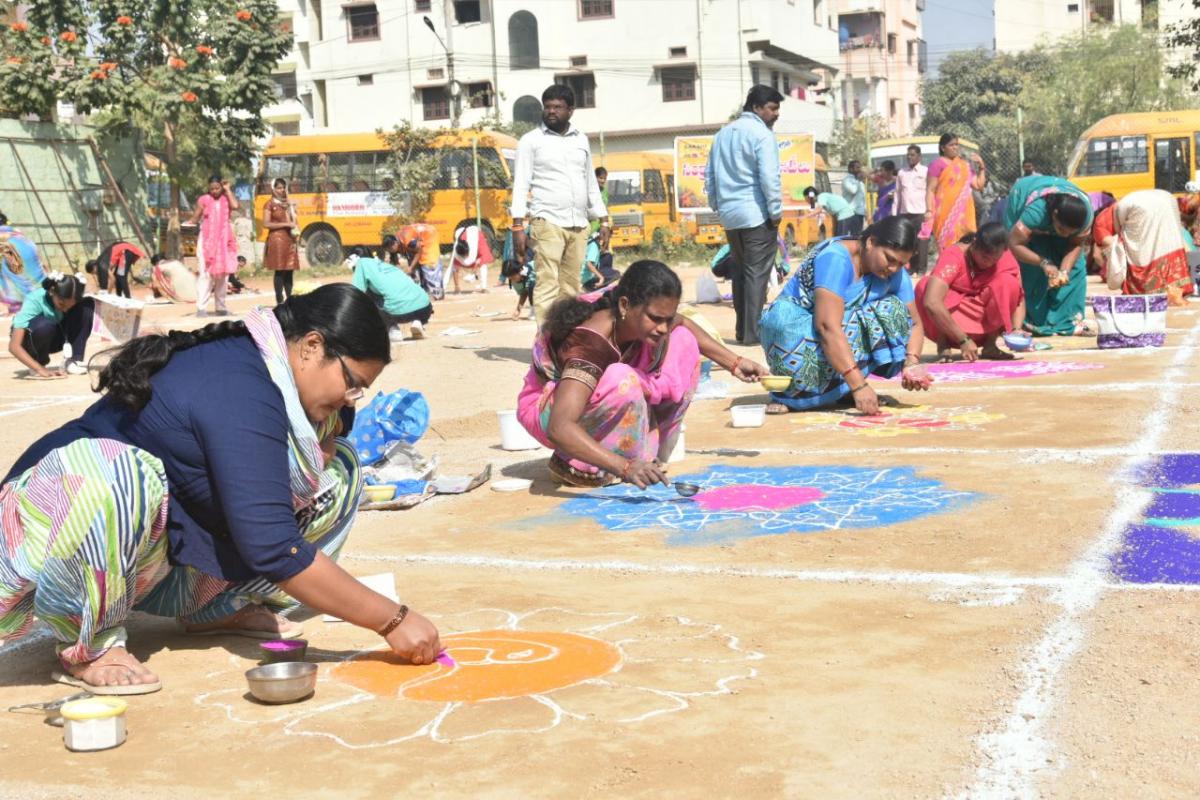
(71, 216)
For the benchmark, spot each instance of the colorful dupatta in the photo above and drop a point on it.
(954, 212)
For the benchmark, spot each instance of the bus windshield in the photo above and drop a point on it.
(624, 187)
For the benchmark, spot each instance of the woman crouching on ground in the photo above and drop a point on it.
(612, 376)
(239, 420)
(973, 295)
(848, 312)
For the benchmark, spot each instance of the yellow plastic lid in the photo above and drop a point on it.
(94, 708)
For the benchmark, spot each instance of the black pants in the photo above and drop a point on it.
(46, 337)
(102, 277)
(421, 315)
(283, 284)
(754, 251)
(854, 225)
(122, 284)
(920, 260)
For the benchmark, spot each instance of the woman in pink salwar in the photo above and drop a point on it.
(216, 246)
(973, 295)
(613, 373)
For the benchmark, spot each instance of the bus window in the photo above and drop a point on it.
(334, 172)
(1171, 164)
(624, 187)
(655, 191)
(455, 170)
(1115, 155)
(296, 170)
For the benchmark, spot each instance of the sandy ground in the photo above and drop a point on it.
(971, 641)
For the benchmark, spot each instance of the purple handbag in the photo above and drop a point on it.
(1136, 320)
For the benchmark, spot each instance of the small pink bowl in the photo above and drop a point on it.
(277, 650)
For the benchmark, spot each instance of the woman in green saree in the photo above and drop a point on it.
(1048, 219)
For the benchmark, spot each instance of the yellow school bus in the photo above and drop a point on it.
(340, 184)
(1126, 152)
(641, 197)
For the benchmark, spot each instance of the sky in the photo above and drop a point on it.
(951, 25)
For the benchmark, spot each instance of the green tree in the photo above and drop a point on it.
(1062, 89)
(1183, 38)
(193, 75)
(852, 138)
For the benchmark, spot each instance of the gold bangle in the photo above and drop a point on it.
(394, 623)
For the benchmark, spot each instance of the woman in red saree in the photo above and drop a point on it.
(973, 295)
(949, 196)
(1146, 228)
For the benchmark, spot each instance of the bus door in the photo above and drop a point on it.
(1172, 164)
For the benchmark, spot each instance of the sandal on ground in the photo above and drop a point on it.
(1086, 328)
(230, 626)
(996, 354)
(567, 475)
(64, 677)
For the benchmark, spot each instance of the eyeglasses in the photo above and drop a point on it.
(354, 392)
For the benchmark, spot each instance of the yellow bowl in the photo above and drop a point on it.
(776, 383)
(380, 494)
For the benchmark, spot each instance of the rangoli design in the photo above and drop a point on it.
(897, 421)
(962, 371)
(740, 502)
(1163, 546)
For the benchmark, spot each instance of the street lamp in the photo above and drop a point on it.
(454, 88)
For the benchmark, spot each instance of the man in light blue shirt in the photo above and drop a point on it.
(854, 192)
(743, 186)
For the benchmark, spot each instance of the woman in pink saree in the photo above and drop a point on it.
(973, 295)
(216, 246)
(612, 376)
(949, 198)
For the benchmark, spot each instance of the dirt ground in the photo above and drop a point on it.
(924, 605)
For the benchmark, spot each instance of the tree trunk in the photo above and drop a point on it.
(174, 235)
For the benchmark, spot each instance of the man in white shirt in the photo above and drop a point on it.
(911, 183)
(555, 187)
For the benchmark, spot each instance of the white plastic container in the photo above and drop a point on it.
(678, 452)
(97, 723)
(512, 435)
(748, 416)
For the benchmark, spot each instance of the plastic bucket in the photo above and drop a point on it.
(512, 435)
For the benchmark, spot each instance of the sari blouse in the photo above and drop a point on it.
(955, 269)
(1027, 204)
(833, 270)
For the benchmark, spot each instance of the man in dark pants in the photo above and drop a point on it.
(743, 187)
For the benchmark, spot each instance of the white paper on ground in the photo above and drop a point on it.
(459, 332)
(384, 583)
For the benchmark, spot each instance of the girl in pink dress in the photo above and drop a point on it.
(216, 246)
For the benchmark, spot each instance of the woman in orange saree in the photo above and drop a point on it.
(949, 195)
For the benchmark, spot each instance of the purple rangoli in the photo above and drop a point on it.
(961, 371)
(1159, 548)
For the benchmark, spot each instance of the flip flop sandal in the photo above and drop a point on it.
(230, 630)
(135, 688)
(566, 474)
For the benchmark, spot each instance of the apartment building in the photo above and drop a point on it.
(1020, 24)
(882, 60)
(643, 71)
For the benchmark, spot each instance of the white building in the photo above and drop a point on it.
(883, 60)
(1020, 24)
(643, 71)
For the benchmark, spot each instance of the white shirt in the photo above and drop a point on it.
(554, 179)
(910, 189)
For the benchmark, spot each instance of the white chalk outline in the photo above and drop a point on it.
(1015, 754)
(26, 404)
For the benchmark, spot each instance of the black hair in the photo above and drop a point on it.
(558, 91)
(3, 218)
(889, 165)
(156, 259)
(601, 171)
(214, 178)
(462, 248)
(946, 139)
(66, 288)
(241, 258)
(991, 238)
(759, 95)
(1070, 210)
(348, 319)
(1028, 161)
(510, 268)
(644, 281)
(811, 191)
(898, 233)
(854, 163)
(278, 181)
(360, 251)
(914, 148)
(385, 247)
(90, 266)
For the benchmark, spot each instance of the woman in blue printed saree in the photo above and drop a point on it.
(163, 500)
(847, 313)
(1048, 219)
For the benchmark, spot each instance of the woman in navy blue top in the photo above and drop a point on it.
(211, 472)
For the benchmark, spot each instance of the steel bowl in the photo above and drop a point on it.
(687, 489)
(284, 682)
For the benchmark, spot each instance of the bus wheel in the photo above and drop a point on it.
(323, 248)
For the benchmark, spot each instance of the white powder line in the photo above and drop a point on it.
(34, 404)
(899, 577)
(1031, 454)
(1015, 754)
(1054, 387)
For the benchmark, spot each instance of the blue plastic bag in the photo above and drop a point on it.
(389, 417)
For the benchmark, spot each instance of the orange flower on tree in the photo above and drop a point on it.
(204, 50)
(176, 63)
(189, 97)
(68, 36)
(20, 27)
(243, 15)
(99, 75)
(124, 20)
(108, 66)
(13, 60)
(45, 40)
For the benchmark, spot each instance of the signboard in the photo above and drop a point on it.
(797, 167)
(358, 204)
